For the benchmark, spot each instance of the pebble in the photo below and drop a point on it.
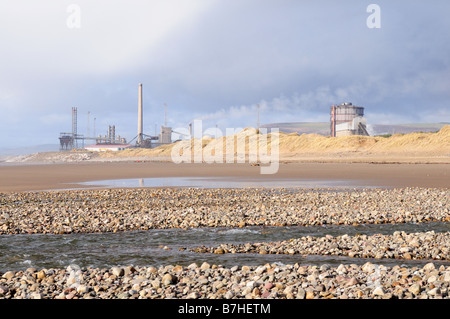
(117, 271)
(281, 282)
(378, 291)
(112, 210)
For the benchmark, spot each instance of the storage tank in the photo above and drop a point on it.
(347, 119)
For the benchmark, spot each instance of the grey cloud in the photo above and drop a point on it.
(218, 60)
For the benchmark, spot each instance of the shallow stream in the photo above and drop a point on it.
(161, 247)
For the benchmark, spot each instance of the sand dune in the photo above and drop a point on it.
(292, 146)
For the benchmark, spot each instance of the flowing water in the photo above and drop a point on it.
(146, 248)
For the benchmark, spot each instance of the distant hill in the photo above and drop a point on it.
(383, 129)
(323, 128)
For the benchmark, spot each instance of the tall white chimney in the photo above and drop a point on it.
(140, 117)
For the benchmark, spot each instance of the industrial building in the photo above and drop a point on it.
(106, 147)
(73, 140)
(148, 141)
(69, 140)
(347, 119)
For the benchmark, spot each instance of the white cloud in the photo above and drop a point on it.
(113, 35)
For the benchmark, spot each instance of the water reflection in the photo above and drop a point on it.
(224, 182)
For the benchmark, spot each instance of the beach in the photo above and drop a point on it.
(35, 200)
(239, 151)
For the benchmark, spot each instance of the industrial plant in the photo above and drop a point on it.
(110, 141)
(73, 140)
(148, 141)
(347, 119)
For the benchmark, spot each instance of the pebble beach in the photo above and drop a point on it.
(215, 282)
(115, 210)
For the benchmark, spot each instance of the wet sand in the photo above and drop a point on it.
(14, 178)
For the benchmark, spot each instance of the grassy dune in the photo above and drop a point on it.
(292, 146)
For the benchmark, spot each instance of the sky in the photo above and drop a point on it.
(217, 60)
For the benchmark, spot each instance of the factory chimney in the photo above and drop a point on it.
(140, 118)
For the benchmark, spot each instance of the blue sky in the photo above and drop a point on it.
(217, 60)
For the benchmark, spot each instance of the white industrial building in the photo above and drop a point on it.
(106, 147)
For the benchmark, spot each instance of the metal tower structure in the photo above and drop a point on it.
(140, 136)
(74, 127)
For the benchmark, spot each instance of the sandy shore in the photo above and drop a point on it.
(56, 176)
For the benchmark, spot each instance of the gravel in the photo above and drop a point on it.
(269, 281)
(112, 210)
